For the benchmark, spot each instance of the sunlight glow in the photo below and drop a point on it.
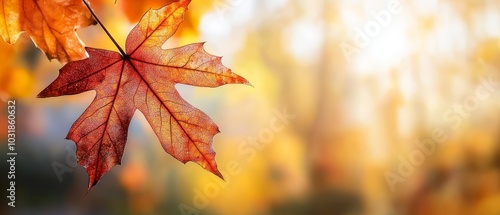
(304, 39)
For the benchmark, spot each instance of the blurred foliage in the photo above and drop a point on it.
(355, 119)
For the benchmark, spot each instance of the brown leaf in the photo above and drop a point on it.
(51, 24)
(143, 79)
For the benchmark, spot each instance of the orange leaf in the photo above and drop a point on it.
(143, 79)
(51, 24)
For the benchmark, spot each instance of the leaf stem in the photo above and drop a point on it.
(104, 28)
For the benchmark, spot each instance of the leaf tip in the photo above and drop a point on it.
(248, 83)
(217, 173)
(44, 94)
(92, 183)
(220, 176)
(241, 80)
(89, 188)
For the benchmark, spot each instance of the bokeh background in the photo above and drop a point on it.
(357, 118)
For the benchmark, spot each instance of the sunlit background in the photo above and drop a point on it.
(394, 108)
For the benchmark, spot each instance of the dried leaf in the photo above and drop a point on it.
(51, 24)
(143, 79)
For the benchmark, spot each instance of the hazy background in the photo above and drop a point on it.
(357, 121)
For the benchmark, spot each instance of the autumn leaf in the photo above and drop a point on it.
(143, 78)
(51, 24)
(134, 10)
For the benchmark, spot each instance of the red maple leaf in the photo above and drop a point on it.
(143, 78)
